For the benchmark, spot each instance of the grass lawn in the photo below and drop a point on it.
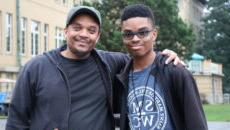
(3, 117)
(217, 112)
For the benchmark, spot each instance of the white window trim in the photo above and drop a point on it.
(62, 2)
(9, 24)
(34, 33)
(23, 28)
(0, 31)
(46, 37)
(59, 37)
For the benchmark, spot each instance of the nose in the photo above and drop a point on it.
(135, 38)
(84, 33)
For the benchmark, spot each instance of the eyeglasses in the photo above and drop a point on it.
(140, 34)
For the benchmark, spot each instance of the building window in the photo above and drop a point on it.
(57, 1)
(23, 36)
(75, 2)
(34, 38)
(59, 37)
(46, 37)
(195, 66)
(9, 31)
(62, 2)
(0, 32)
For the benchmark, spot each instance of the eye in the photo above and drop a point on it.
(76, 28)
(92, 30)
(142, 33)
(127, 34)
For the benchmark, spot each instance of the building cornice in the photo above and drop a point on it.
(206, 74)
(9, 69)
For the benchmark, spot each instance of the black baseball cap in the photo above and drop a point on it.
(83, 9)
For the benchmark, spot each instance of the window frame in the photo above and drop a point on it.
(9, 33)
(35, 37)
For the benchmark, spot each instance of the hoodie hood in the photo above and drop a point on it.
(53, 54)
(159, 61)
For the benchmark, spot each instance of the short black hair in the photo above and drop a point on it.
(137, 10)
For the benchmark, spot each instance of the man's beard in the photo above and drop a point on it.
(80, 54)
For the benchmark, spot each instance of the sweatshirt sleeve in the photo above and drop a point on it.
(193, 111)
(21, 103)
(116, 61)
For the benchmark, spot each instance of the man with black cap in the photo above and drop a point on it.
(69, 88)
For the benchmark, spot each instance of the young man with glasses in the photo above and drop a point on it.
(154, 96)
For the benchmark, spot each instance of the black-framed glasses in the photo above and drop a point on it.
(141, 34)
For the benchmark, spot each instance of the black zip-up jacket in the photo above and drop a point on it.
(41, 99)
(180, 92)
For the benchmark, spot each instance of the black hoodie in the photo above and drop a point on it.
(41, 99)
(180, 92)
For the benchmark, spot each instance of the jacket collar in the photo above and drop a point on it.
(53, 54)
(124, 75)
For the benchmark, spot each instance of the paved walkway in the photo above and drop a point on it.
(2, 124)
(219, 125)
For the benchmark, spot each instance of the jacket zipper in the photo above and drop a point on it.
(169, 104)
(69, 95)
(109, 94)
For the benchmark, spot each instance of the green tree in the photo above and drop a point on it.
(215, 43)
(110, 30)
(173, 33)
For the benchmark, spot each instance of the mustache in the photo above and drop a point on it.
(82, 39)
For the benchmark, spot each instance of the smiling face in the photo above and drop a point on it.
(81, 36)
(141, 45)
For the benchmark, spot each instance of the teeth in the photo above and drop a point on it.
(82, 41)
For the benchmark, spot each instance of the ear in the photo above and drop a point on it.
(154, 34)
(65, 31)
(98, 37)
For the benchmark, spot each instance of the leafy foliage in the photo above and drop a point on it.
(215, 43)
(172, 32)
